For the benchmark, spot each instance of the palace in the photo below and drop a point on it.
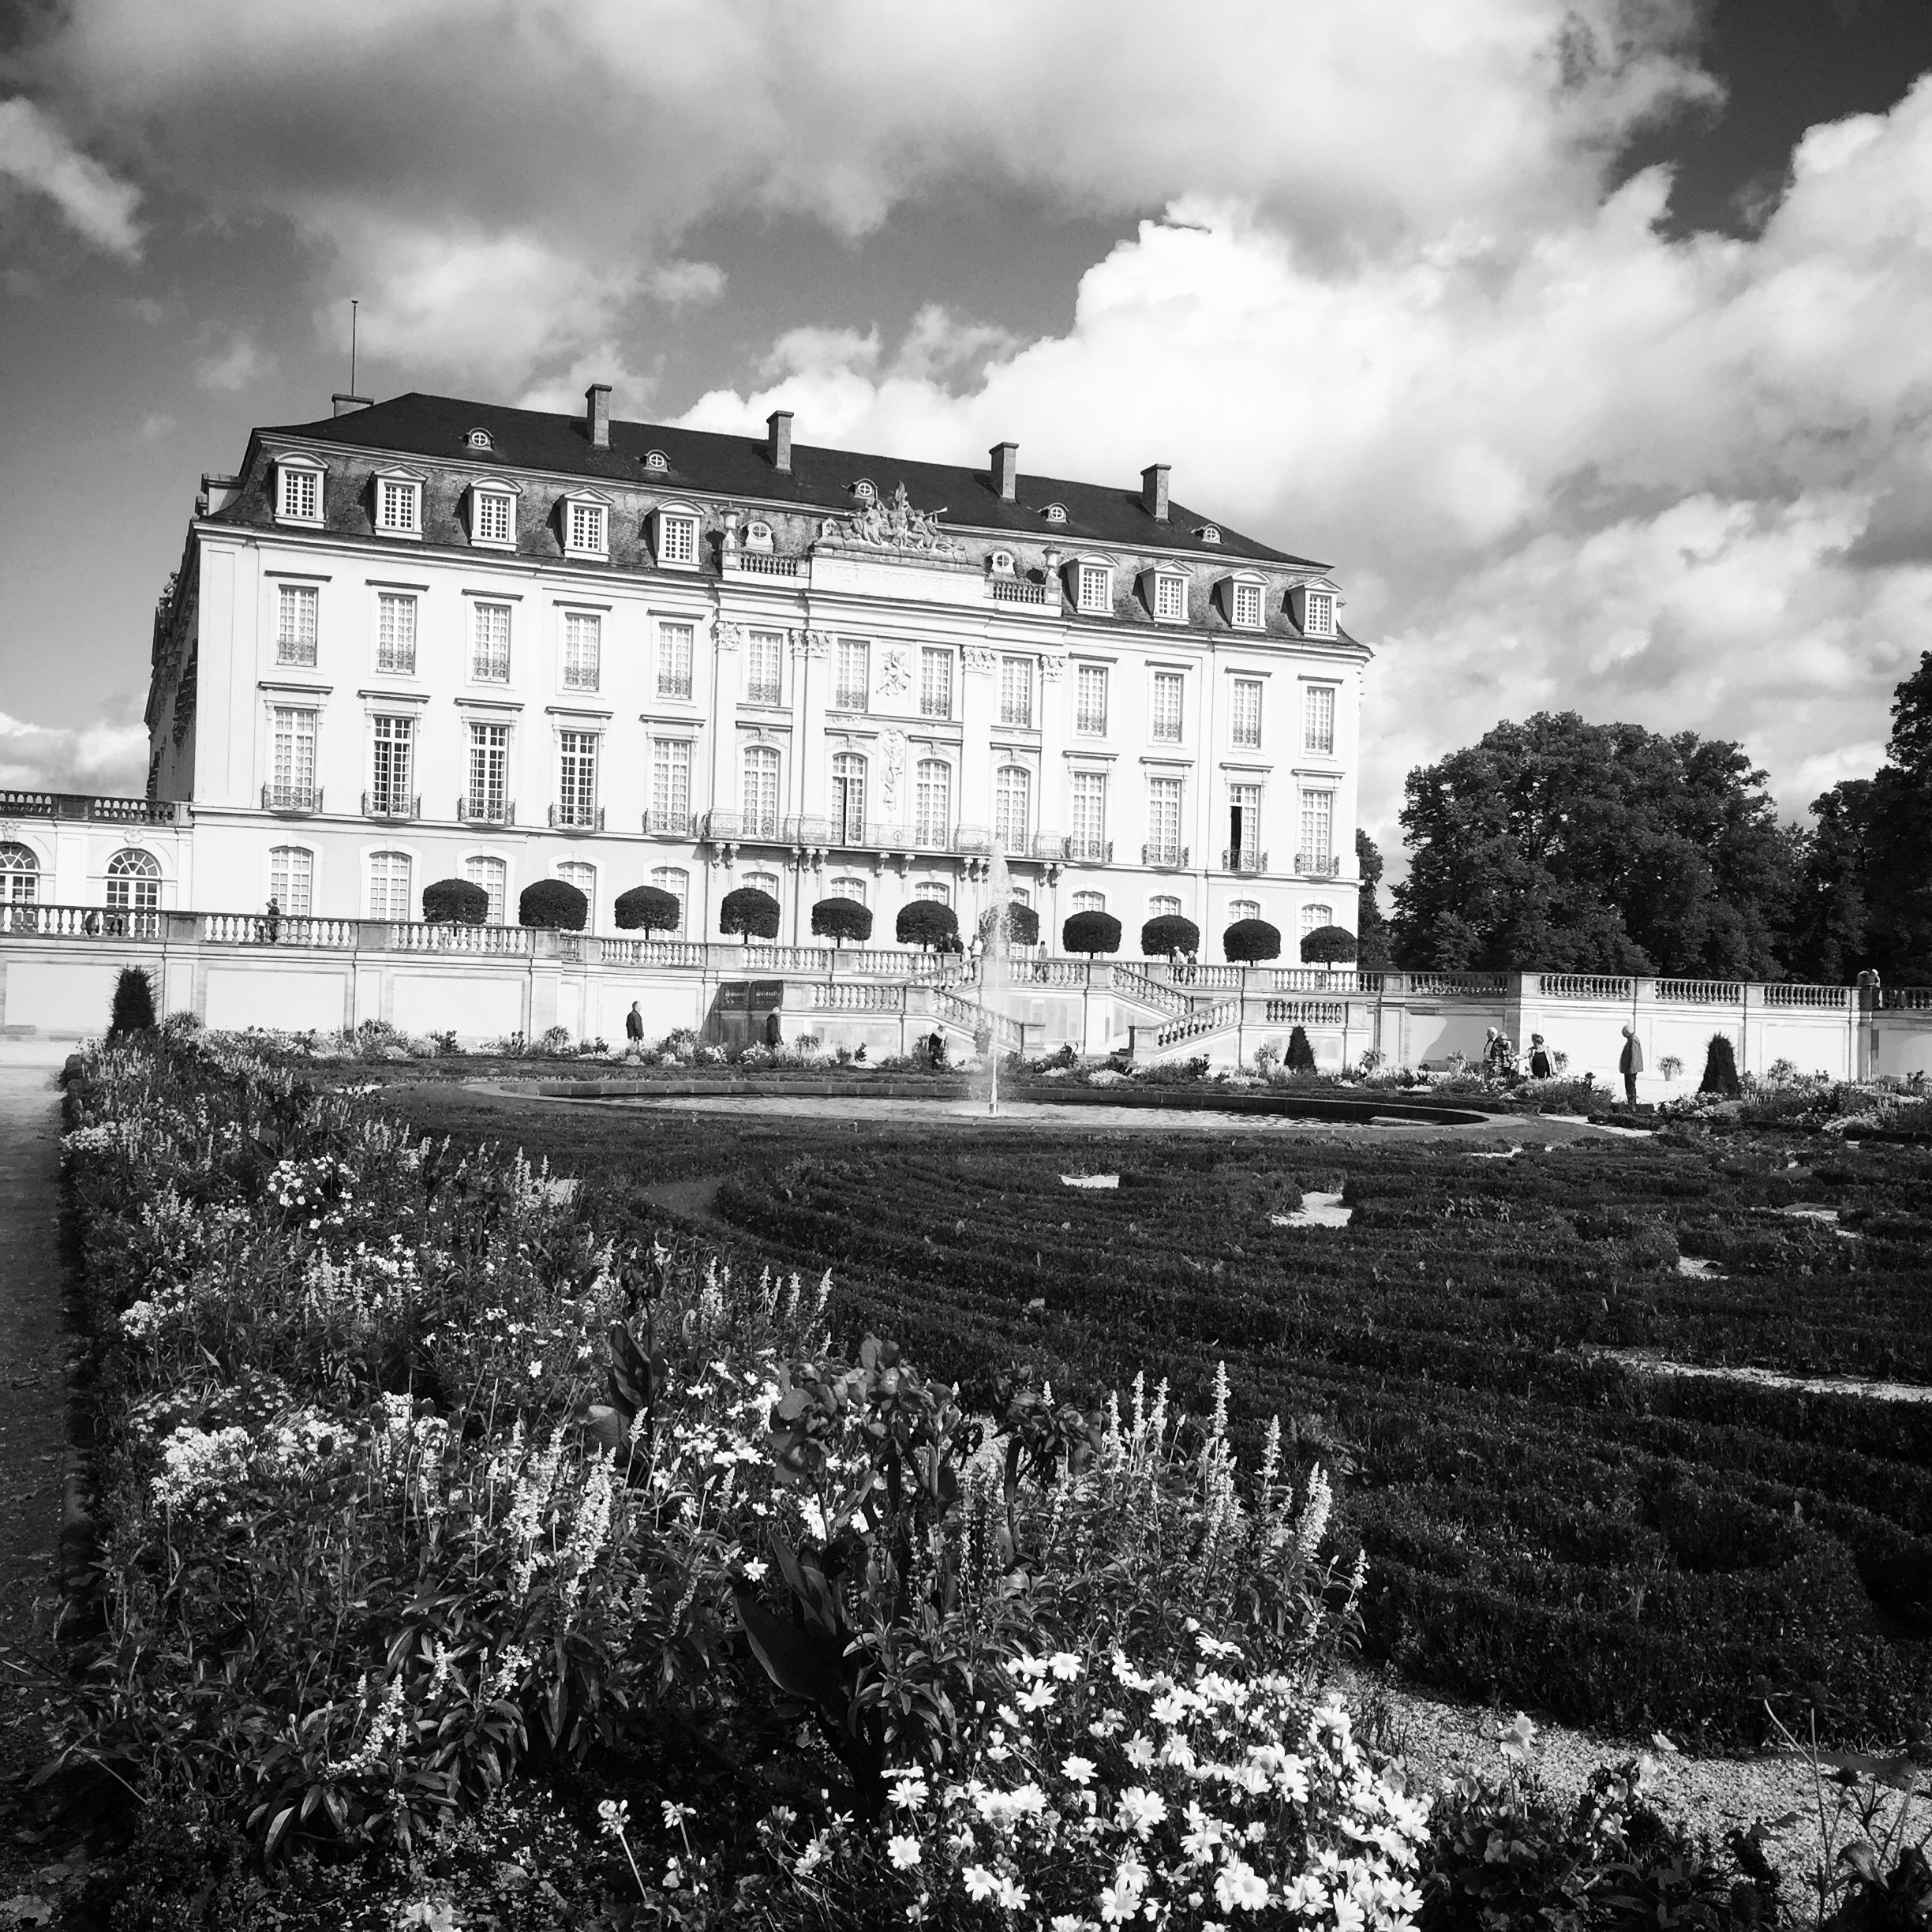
(430, 638)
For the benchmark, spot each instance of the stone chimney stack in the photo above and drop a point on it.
(597, 415)
(1154, 491)
(778, 440)
(1004, 459)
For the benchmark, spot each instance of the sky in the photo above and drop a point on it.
(1586, 338)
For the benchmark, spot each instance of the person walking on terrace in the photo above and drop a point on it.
(633, 1024)
(1630, 1063)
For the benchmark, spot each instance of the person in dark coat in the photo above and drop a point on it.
(1540, 1065)
(774, 1033)
(1630, 1063)
(633, 1024)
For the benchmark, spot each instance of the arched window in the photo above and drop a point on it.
(1163, 905)
(848, 798)
(933, 889)
(676, 882)
(1243, 909)
(761, 792)
(1054, 513)
(932, 802)
(1089, 902)
(1020, 895)
(764, 882)
(582, 874)
(20, 875)
(134, 881)
(757, 535)
(291, 879)
(389, 886)
(1314, 915)
(494, 876)
(657, 461)
(847, 886)
(1013, 789)
(865, 491)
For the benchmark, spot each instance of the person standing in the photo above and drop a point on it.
(273, 923)
(1540, 1065)
(634, 1025)
(1630, 1063)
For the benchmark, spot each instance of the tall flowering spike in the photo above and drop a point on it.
(1218, 1430)
(1271, 1456)
(1140, 1402)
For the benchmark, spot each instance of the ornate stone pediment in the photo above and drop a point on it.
(892, 526)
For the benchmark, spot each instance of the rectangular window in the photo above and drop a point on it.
(1170, 598)
(1247, 606)
(494, 876)
(1320, 613)
(1245, 828)
(585, 529)
(935, 683)
(674, 661)
(671, 762)
(396, 507)
(1167, 706)
(292, 769)
(291, 880)
(1016, 691)
(389, 885)
(582, 650)
(761, 792)
(389, 772)
(1089, 839)
(1096, 588)
(1012, 799)
(1089, 705)
(1247, 722)
(763, 655)
(302, 495)
(932, 801)
(1164, 822)
(1319, 716)
(677, 540)
(395, 632)
(489, 774)
(577, 754)
(295, 629)
(1317, 830)
(495, 518)
(855, 665)
(490, 661)
(675, 880)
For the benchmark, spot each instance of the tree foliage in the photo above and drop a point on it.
(1579, 848)
(455, 902)
(750, 911)
(840, 919)
(554, 904)
(1022, 925)
(1326, 945)
(133, 1011)
(1090, 933)
(928, 922)
(1372, 934)
(1301, 1056)
(1248, 941)
(647, 909)
(1169, 933)
(1720, 1073)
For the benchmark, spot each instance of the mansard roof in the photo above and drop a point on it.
(703, 461)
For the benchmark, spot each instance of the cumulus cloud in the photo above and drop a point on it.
(108, 757)
(686, 284)
(36, 154)
(235, 364)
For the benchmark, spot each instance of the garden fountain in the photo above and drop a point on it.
(993, 967)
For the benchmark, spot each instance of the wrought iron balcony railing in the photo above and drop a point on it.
(1247, 861)
(1318, 865)
(1090, 851)
(1164, 852)
(391, 805)
(472, 809)
(291, 799)
(667, 825)
(577, 818)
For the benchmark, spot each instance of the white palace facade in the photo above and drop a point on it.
(430, 638)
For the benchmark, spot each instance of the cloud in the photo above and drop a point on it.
(237, 363)
(36, 154)
(155, 425)
(108, 758)
(686, 284)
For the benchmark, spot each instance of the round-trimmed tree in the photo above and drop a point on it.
(1022, 923)
(928, 923)
(555, 905)
(1327, 945)
(1720, 1073)
(1249, 941)
(1090, 933)
(840, 919)
(648, 909)
(1169, 933)
(750, 912)
(455, 902)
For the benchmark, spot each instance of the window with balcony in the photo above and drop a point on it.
(1317, 831)
(583, 876)
(1318, 718)
(932, 798)
(1012, 798)
(583, 647)
(291, 879)
(1164, 822)
(489, 649)
(298, 494)
(1167, 707)
(1319, 618)
(494, 876)
(674, 660)
(934, 891)
(297, 611)
(1245, 602)
(677, 540)
(1170, 599)
(134, 881)
(389, 886)
(1016, 691)
(292, 758)
(492, 517)
(398, 507)
(488, 799)
(1089, 838)
(1089, 902)
(1089, 700)
(761, 792)
(585, 529)
(675, 880)
(671, 766)
(764, 657)
(391, 756)
(1094, 589)
(848, 798)
(852, 692)
(935, 682)
(577, 763)
(1245, 714)
(1244, 828)
(395, 632)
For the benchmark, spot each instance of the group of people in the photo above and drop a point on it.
(1500, 1060)
(1183, 968)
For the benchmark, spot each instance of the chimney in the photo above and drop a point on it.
(597, 415)
(1004, 459)
(1154, 492)
(778, 440)
(347, 405)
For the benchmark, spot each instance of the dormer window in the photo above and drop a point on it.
(1000, 563)
(657, 461)
(1245, 604)
(399, 507)
(864, 491)
(1167, 596)
(492, 517)
(1313, 609)
(1093, 588)
(758, 536)
(298, 493)
(1208, 533)
(676, 541)
(1055, 513)
(586, 527)
(478, 440)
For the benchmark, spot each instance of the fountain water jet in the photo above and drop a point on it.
(993, 965)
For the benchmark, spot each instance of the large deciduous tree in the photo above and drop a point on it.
(1372, 934)
(1579, 848)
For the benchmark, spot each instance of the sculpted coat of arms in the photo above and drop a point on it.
(892, 526)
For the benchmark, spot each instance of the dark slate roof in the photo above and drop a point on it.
(702, 460)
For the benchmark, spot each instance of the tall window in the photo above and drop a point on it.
(1090, 706)
(761, 790)
(577, 755)
(1243, 909)
(1319, 718)
(390, 762)
(848, 798)
(1089, 902)
(1016, 691)
(1164, 822)
(585, 529)
(1170, 598)
(302, 495)
(1167, 706)
(292, 768)
(675, 880)
(932, 797)
(934, 891)
(395, 632)
(396, 508)
(935, 682)
(671, 762)
(1317, 830)
(1244, 827)
(295, 629)
(494, 520)
(494, 876)
(1247, 720)
(1096, 588)
(583, 648)
(1089, 815)
(134, 881)
(1247, 606)
(766, 882)
(389, 886)
(674, 661)
(1163, 905)
(489, 774)
(1320, 613)
(291, 879)
(1013, 790)
(19, 873)
(763, 653)
(489, 660)
(848, 887)
(853, 692)
(1313, 916)
(579, 873)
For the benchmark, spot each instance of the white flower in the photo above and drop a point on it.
(1010, 1897)
(904, 1851)
(1139, 1810)
(980, 1884)
(1064, 1665)
(535, 1369)
(1140, 1752)
(909, 1792)
(613, 1815)
(1038, 1698)
(1077, 1770)
(1239, 1888)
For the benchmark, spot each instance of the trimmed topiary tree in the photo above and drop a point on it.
(553, 905)
(1301, 1055)
(1720, 1073)
(648, 909)
(455, 902)
(750, 912)
(1169, 933)
(928, 923)
(1022, 924)
(133, 1011)
(1090, 933)
(1248, 941)
(840, 919)
(1326, 945)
